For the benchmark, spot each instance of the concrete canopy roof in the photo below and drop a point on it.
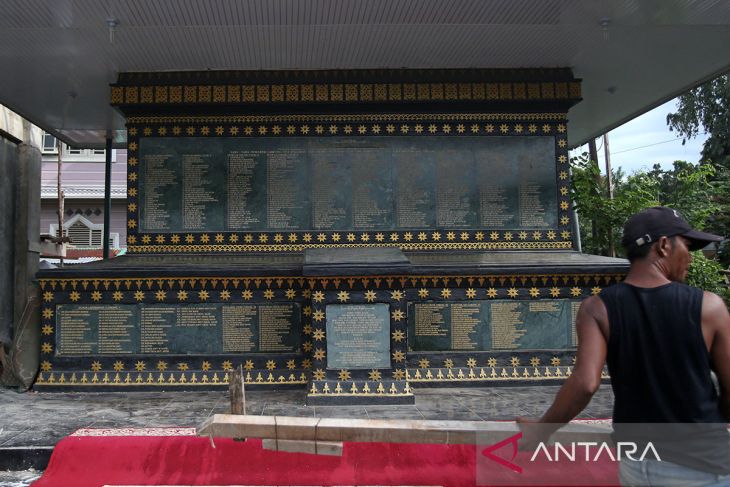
(58, 57)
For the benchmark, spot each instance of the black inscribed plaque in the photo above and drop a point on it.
(279, 327)
(537, 204)
(177, 329)
(372, 189)
(498, 186)
(539, 324)
(287, 189)
(492, 325)
(261, 327)
(331, 187)
(200, 184)
(458, 326)
(246, 190)
(96, 329)
(188, 328)
(414, 183)
(358, 336)
(456, 202)
(160, 183)
(240, 328)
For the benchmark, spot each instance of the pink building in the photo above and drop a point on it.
(82, 182)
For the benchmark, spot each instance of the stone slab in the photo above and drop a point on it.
(359, 261)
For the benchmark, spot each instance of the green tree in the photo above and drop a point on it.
(707, 109)
(686, 187)
(601, 217)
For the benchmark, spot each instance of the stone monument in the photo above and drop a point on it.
(354, 233)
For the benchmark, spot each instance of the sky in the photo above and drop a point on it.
(646, 140)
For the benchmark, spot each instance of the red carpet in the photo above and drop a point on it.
(173, 456)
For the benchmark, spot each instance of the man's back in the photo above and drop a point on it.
(660, 340)
(660, 373)
(657, 356)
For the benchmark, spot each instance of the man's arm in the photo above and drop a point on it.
(578, 389)
(716, 319)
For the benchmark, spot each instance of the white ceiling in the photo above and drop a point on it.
(57, 61)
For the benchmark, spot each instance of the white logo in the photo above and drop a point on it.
(593, 451)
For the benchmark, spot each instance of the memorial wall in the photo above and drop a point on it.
(357, 233)
(193, 184)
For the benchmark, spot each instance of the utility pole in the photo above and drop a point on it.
(107, 196)
(609, 184)
(59, 192)
(593, 154)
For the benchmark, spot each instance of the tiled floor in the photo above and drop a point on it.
(34, 419)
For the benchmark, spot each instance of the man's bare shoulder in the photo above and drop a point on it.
(714, 309)
(712, 301)
(594, 306)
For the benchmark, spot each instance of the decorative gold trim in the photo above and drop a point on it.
(390, 117)
(492, 374)
(431, 281)
(301, 247)
(106, 378)
(359, 394)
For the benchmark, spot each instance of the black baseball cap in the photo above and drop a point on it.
(647, 226)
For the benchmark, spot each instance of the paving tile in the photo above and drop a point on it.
(353, 412)
(283, 410)
(8, 435)
(251, 408)
(452, 415)
(393, 412)
(175, 422)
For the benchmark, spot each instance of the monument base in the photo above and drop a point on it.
(186, 322)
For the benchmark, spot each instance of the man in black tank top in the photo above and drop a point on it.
(661, 340)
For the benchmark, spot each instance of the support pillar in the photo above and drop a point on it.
(8, 165)
(20, 240)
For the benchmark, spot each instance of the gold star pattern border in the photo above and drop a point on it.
(350, 289)
(551, 124)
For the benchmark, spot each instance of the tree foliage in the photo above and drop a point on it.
(707, 109)
(601, 218)
(686, 187)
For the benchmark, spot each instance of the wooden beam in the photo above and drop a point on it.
(382, 430)
(237, 392)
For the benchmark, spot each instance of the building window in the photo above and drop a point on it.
(49, 144)
(74, 154)
(84, 233)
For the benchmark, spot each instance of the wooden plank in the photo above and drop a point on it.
(386, 431)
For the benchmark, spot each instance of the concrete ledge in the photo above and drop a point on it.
(332, 448)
